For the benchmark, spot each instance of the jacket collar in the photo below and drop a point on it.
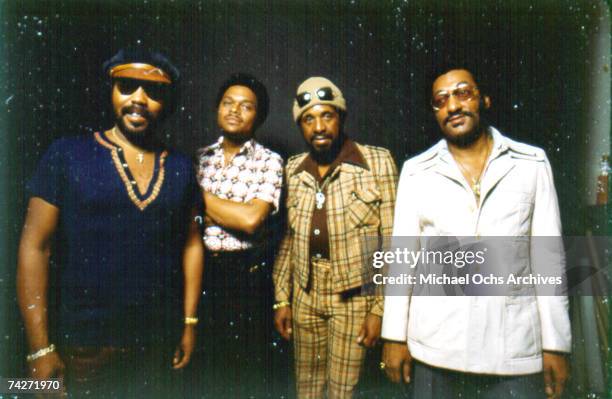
(500, 144)
(349, 155)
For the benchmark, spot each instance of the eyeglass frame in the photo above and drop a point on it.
(460, 86)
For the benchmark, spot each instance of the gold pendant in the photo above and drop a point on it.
(476, 188)
(140, 157)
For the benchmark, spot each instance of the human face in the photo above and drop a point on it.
(321, 127)
(137, 104)
(237, 111)
(459, 118)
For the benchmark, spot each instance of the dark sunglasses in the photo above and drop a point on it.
(155, 90)
(462, 93)
(324, 94)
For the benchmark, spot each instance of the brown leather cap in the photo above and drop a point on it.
(140, 71)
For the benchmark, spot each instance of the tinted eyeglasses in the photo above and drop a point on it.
(461, 93)
(324, 94)
(155, 90)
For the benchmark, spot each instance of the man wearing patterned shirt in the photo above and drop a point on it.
(241, 180)
(339, 194)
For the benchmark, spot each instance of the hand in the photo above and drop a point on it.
(370, 331)
(398, 362)
(183, 352)
(48, 366)
(283, 321)
(556, 373)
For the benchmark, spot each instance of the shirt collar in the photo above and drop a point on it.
(349, 153)
(247, 148)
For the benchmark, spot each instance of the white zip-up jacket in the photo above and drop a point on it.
(502, 335)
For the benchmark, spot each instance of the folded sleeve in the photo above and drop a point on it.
(270, 190)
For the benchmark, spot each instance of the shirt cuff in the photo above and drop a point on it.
(378, 307)
(282, 295)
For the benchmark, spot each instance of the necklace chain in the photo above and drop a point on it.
(475, 186)
(139, 154)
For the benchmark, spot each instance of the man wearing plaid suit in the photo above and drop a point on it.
(339, 193)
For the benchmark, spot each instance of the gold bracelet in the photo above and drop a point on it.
(40, 353)
(280, 304)
(191, 321)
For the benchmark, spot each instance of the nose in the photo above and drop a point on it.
(139, 96)
(319, 125)
(235, 107)
(453, 104)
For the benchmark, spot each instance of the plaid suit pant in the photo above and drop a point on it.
(326, 325)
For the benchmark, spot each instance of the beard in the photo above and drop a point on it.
(237, 138)
(144, 139)
(327, 156)
(468, 138)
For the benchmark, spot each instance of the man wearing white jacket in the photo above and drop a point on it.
(476, 182)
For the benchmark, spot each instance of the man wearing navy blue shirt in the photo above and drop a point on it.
(130, 252)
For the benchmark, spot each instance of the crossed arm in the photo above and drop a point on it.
(244, 217)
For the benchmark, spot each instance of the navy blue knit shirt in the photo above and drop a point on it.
(120, 251)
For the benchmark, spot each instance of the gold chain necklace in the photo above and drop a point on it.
(475, 186)
(139, 154)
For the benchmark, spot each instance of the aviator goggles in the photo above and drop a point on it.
(324, 94)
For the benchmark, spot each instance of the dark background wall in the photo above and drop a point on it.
(535, 55)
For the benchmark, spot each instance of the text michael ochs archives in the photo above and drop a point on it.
(438, 267)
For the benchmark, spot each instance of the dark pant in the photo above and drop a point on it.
(238, 353)
(112, 372)
(437, 383)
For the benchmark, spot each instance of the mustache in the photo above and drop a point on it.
(464, 113)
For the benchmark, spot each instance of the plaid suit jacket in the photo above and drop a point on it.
(360, 203)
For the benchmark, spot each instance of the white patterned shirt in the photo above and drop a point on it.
(254, 172)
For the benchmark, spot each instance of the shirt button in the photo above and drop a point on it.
(318, 256)
(317, 232)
